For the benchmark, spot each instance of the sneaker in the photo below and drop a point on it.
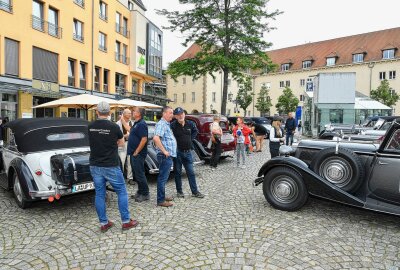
(198, 195)
(142, 198)
(131, 224)
(105, 228)
(180, 195)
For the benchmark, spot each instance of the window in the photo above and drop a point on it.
(96, 78)
(120, 83)
(214, 96)
(214, 79)
(358, 58)
(124, 54)
(102, 42)
(281, 84)
(117, 51)
(183, 97)
(44, 65)
(78, 30)
(130, 5)
(71, 72)
(336, 116)
(268, 85)
(392, 92)
(285, 67)
(287, 83)
(307, 64)
(65, 136)
(229, 82)
(154, 51)
(82, 75)
(302, 82)
(330, 61)
(103, 11)
(124, 27)
(53, 23)
(11, 57)
(301, 98)
(193, 97)
(105, 80)
(80, 3)
(118, 22)
(6, 5)
(392, 74)
(382, 75)
(37, 16)
(388, 54)
(175, 98)
(184, 80)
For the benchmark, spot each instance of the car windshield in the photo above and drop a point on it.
(379, 123)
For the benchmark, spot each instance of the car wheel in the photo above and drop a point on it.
(343, 169)
(19, 194)
(284, 189)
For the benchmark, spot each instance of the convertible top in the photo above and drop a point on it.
(31, 134)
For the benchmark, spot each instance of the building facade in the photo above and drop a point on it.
(51, 48)
(372, 56)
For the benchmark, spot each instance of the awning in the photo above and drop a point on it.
(369, 104)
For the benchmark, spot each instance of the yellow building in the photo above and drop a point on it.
(52, 48)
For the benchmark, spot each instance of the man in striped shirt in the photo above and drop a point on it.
(166, 150)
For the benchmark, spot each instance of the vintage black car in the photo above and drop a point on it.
(360, 174)
(45, 159)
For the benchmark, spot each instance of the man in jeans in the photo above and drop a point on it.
(137, 150)
(166, 150)
(290, 128)
(104, 139)
(184, 132)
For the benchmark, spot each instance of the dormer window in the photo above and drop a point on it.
(358, 58)
(388, 54)
(307, 64)
(330, 61)
(285, 67)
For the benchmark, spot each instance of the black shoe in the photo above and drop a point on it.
(135, 196)
(180, 195)
(198, 195)
(142, 198)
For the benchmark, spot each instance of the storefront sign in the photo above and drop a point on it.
(141, 58)
(45, 86)
(27, 115)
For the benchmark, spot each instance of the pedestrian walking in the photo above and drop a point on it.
(276, 137)
(241, 133)
(290, 128)
(125, 123)
(185, 132)
(104, 139)
(137, 151)
(216, 134)
(166, 150)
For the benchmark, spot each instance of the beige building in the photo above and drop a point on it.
(372, 56)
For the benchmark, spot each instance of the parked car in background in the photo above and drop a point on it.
(45, 158)
(203, 122)
(364, 175)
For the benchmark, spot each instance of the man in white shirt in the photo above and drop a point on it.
(125, 124)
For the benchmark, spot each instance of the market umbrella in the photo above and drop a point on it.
(136, 103)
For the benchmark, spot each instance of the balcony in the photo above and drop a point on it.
(122, 30)
(46, 27)
(82, 84)
(80, 3)
(78, 38)
(71, 81)
(103, 48)
(121, 58)
(6, 6)
(103, 16)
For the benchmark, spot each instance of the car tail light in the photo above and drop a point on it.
(51, 199)
(38, 172)
(58, 196)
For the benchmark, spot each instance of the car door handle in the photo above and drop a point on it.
(382, 163)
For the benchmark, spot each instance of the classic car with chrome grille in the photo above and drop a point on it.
(45, 159)
(365, 175)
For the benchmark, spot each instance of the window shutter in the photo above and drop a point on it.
(12, 57)
(45, 65)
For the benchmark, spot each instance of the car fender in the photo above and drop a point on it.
(27, 181)
(316, 185)
(201, 151)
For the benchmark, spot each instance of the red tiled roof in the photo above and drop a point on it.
(371, 44)
(343, 48)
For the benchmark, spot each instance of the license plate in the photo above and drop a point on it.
(227, 153)
(82, 187)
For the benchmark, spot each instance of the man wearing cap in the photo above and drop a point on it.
(104, 139)
(185, 132)
(166, 150)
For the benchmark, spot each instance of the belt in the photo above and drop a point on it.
(185, 151)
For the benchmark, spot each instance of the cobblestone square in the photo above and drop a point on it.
(233, 227)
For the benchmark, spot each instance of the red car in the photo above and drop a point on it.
(203, 122)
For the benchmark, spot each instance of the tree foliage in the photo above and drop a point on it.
(287, 102)
(263, 100)
(244, 96)
(384, 95)
(230, 36)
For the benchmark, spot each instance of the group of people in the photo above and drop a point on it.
(126, 141)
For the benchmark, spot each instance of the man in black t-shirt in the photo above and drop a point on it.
(104, 139)
(260, 132)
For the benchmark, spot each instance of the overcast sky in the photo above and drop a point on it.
(302, 21)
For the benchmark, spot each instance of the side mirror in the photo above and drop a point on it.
(285, 150)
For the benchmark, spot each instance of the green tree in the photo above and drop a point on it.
(244, 96)
(229, 33)
(263, 100)
(384, 95)
(287, 102)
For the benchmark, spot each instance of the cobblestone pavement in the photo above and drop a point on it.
(233, 227)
